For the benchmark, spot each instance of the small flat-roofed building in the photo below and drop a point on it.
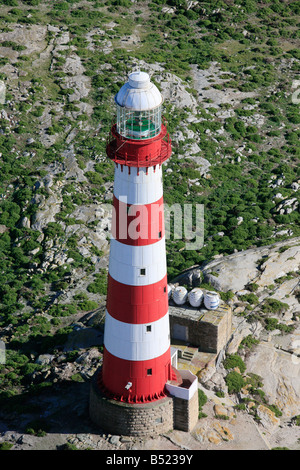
(208, 330)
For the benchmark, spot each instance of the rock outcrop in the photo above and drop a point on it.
(263, 266)
(280, 372)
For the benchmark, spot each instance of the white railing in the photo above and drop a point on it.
(183, 392)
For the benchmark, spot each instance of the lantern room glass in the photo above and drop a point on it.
(138, 125)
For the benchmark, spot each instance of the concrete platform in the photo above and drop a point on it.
(190, 358)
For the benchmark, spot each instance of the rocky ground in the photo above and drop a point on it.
(70, 426)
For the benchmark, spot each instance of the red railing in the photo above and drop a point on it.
(139, 153)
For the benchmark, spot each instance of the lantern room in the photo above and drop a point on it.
(139, 105)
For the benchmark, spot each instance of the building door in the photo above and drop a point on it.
(180, 332)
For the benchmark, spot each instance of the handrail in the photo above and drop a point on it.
(137, 161)
(121, 156)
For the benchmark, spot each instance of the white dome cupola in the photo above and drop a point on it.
(139, 94)
(139, 107)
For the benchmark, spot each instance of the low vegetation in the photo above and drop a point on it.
(202, 399)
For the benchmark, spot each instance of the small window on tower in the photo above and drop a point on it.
(143, 272)
(165, 289)
(159, 234)
(149, 371)
(148, 328)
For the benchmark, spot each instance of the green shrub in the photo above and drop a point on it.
(5, 446)
(252, 287)
(250, 298)
(275, 410)
(225, 417)
(37, 427)
(77, 377)
(67, 446)
(280, 448)
(99, 286)
(81, 296)
(31, 2)
(94, 177)
(296, 420)
(258, 393)
(53, 229)
(88, 305)
(274, 306)
(62, 310)
(62, 6)
(248, 342)
(234, 382)
(234, 360)
(226, 296)
(240, 406)
(271, 324)
(122, 3)
(29, 368)
(202, 399)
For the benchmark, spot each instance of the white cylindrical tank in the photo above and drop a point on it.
(211, 300)
(195, 297)
(180, 295)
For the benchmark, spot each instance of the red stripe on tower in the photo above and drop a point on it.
(136, 359)
(137, 304)
(138, 224)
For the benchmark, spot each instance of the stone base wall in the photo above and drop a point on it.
(186, 413)
(130, 420)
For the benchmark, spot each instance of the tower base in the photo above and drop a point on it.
(121, 418)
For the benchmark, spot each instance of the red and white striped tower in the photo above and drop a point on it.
(136, 358)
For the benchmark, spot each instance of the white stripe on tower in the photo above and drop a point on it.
(137, 265)
(138, 186)
(136, 342)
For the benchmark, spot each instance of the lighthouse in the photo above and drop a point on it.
(130, 393)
